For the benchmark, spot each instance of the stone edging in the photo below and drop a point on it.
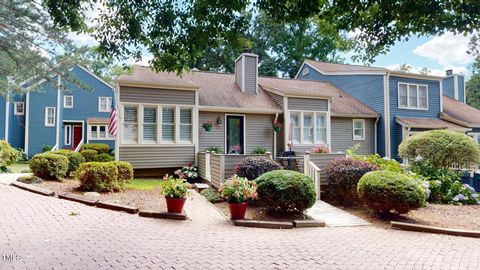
(34, 189)
(432, 229)
(278, 224)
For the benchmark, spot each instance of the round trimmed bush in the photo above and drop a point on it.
(252, 167)
(103, 158)
(8, 154)
(343, 175)
(125, 170)
(101, 148)
(49, 166)
(74, 158)
(286, 192)
(385, 191)
(99, 177)
(89, 154)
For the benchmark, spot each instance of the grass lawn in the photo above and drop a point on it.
(19, 167)
(143, 184)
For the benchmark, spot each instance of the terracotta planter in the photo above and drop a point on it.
(237, 210)
(175, 205)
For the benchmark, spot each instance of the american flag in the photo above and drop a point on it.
(112, 126)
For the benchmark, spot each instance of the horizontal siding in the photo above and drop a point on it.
(250, 75)
(342, 136)
(321, 160)
(259, 132)
(142, 157)
(157, 96)
(277, 99)
(215, 137)
(238, 72)
(216, 170)
(201, 165)
(307, 104)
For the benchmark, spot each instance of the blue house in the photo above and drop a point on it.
(407, 103)
(53, 116)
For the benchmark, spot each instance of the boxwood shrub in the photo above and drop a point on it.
(343, 175)
(125, 170)
(8, 155)
(285, 192)
(89, 154)
(385, 192)
(253, 167)
(99, 177)
(101, 148)
(74, 158)
(103, 158)
(49, 166)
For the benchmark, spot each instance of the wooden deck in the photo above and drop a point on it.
(333, 216)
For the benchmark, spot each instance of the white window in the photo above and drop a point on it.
(186, 124)
(168, 124)
(130, 124)
(104, 104)
(68, 101)
(100, 132)
(412, 96)
(475, 136)
(305, 71)
(320, 128)
(308, 127)
(296, 126)
(19, 108)
(358, 129)
(150, 124)
(49, 116)
(68, 135)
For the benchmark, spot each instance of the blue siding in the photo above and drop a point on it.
(461, 88)
(432, 112)
(16, 131)
(369, 89)
(3, 103)
(448, 89)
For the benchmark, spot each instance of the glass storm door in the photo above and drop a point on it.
(235, 134)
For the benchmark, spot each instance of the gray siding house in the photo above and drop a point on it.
(162, 116)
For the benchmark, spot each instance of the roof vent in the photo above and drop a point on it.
(246, 72)
(449, 72)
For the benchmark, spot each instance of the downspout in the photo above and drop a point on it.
(275, 138)
(27, 123)
(57, 139)
(7, 115)
(387, 114)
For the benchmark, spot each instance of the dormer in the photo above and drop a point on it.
(454, 86)
(246, 72)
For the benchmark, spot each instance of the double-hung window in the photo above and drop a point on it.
(19, 108)
(358, 129)
(68, 101)
(130, 124)
(320, 128)
(296, 125)
(308, 127)
(412, 96)
(186, 124)
(49, 116)
(104, 104)
(100, 132)
(168, 124)
(150, 124)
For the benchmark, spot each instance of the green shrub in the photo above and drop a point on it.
(103, 158)
(253, 167)
(215, 149)
(89, 155)
(343, 175)
(385, 191)
(174, 188)
(462, 194)
(49, 166)
(385, 164)
(101, 148)
(22, 156)
(259, 151)
(8, 155)
(211, 195)
(74, 158)
(125, 170)
(286, 192)
(443, 148)
(30, 179)
(99, 177)
(46, 148)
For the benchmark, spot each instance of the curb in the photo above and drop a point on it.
(34, 189)
(432, 229)
(117, 207)
(308, 223)
(163, 215)
(76, 198)
(263, 224)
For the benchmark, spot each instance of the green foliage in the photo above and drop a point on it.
(49, 166)
(286, 192)
(215, 149)
(443, 148)
(101, 148)
(103, 158)
(47, 148)
(343, 175)
(385, 191)
(383, 163)
(211, 195)
(238, 190)
(99, 177)
(472, 86)
(188, 172)
(143, 184)
(125, 170)
(462, 194)
(30, 179)
(8, 155)
(74, 158)
(89, 155)
(174, 188)
(253, 167)
(259, 151)
(22, 156)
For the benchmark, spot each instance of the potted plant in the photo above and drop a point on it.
(175, 192)
(321, 149)
(188, 172)
(207, 126)
(237, 191)
(277, 127)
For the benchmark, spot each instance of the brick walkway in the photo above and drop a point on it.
(45, 234)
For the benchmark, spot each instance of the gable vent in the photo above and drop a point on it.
(246, 72)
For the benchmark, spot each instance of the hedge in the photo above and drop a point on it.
(101, 148)
(253, 167)
(74, 158)
(125, 170)
(89, 154)
(99, 177)
(49, 166)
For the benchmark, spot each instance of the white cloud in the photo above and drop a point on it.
(447, 49)
(82, 39)
(435, 72)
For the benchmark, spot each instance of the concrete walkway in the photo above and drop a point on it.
(200, 210)
(334, 216)
(7, 178)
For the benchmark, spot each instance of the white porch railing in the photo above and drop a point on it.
(79, 146)
(314, 172)
(55, 147)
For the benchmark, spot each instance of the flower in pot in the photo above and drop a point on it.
(207, 126)
(321, 149)
(237, 191)
(175, 192)
(277, 127)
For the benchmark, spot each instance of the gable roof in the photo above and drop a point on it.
(428, 123)
(460, 113)
(218, 91)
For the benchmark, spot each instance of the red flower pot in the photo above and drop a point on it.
(237, 210)
(175, 205)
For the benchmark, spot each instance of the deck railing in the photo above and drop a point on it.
(314, 172)
(79, 146)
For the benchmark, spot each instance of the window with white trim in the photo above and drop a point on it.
(358, 129)
(186, 124)
(475, 136)
(130, 124)
(68, 135)
(68, 101)
(150, 124)
(308, 127)
(18, 108)
(104, 104)
(49, 116)
(99, 132)
(168, 124)
(412, 96)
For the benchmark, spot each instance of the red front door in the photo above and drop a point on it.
(77, 136)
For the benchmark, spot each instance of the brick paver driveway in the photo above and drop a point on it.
(43, 234)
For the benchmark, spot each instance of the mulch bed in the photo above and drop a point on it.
(143, 199)
(256, 212)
